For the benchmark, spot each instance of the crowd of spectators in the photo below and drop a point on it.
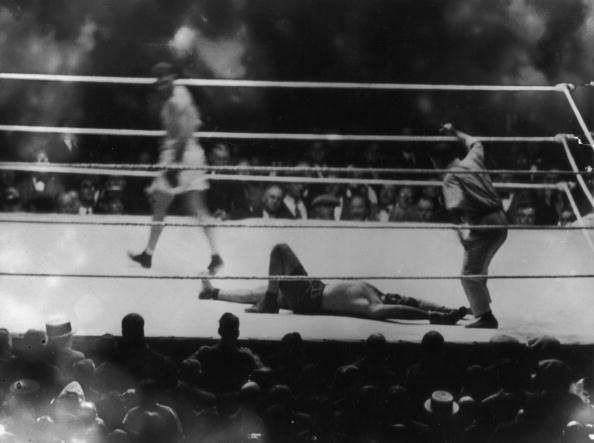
(125, 391)
(87, 194)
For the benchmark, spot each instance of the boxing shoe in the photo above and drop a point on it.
(145, 260)
(485, 321)
(209, 294)
(216, 263)
(267, 305)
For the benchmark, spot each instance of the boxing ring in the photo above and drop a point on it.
(541, 280)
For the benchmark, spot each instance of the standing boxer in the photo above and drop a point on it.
(180, 118)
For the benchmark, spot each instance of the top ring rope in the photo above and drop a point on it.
(267, 135)
(276, 84)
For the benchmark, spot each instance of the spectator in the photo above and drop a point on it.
(432, 371)
(549, 203)
(367, 191)
(575, 432)
(425, 210)
(387, 200)
(317, 155)
(409, 157)
(474, 383)
(246, 423)
(63, 148)
(272, 205)
(110, 199)
(135, 199)
(226, 366)
(525, 215)
(323, 207)
(290, 360)
(30, 364)
(373, 368)
(223, 196)
(188, 398)
(151, 421)
(89, 196)
(59, 348)
(404, 209)
(73, 417)
(22, 404)
(109, 375)
(83, 371)
(138, 359)
(40, 190)
(294, 200)
(112, 206)
(358, 209)
(566, 217)
(251, 203)
(11, 200)
(7, 179)
(7, 361)
(68, 203)
(441, 411)
(434, 194)
(513, 199)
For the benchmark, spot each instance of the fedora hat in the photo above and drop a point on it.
(58, 329)
(441, 403)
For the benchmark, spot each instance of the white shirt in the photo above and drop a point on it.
(292, 204)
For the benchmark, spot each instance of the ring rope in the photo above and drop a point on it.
(580, 219)
(278, 179)
(63, 167)
(274, 83)
(299, 277)
(267, 135)
(575, 169)
(565, 88)
(344, 224)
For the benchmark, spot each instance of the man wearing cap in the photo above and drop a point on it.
(323, 207)
(59, 348)
(472, 199)
(441, 409)
(30, 362)
(347, 298)
(180, 118)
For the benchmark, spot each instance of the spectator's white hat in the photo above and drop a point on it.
(441, 403)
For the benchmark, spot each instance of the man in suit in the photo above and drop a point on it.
(272, 206)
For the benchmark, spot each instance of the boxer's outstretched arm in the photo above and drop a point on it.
(245, 296)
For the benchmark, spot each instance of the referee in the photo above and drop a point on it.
(472, 200)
